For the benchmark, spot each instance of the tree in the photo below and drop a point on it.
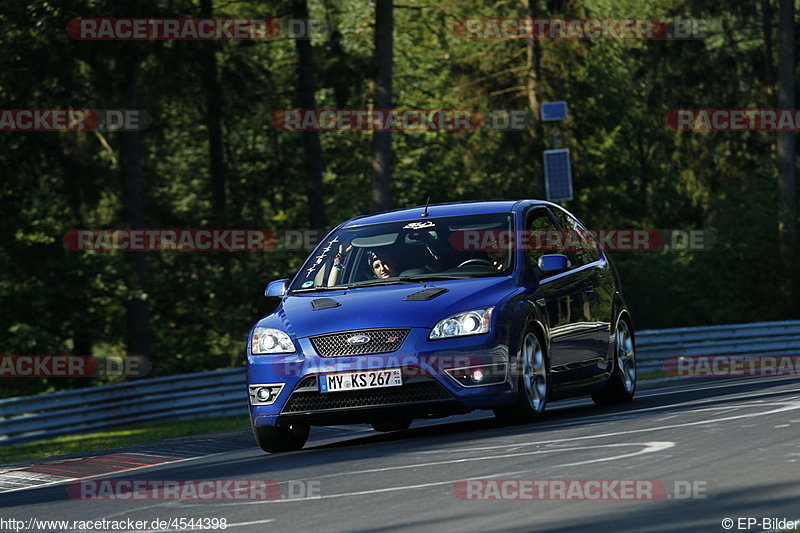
(311, 144)
(532, 84)
(787, 149)
(216, 161)
(139, 335)
(382, 140)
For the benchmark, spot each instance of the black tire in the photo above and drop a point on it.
(397, 424)
(275, 439)
(621, 386)
(534, 383)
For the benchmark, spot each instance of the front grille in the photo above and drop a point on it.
(380, 341)
(419, 391)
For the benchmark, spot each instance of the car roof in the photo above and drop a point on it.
(443, 210)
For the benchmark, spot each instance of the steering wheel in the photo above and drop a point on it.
(477, 261)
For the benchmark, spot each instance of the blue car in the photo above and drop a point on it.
(440, 310)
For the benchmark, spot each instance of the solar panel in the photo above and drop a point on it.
(553, 111)
(557, 175)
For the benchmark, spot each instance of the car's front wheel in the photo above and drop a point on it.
(621, 387)
(276, 439)
(533, 385)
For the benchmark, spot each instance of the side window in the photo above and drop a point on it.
(542, 237)
(578, 240)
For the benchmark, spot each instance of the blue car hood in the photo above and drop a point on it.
(384, 306)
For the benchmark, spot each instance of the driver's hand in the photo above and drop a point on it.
(345, 247)
(338, 259)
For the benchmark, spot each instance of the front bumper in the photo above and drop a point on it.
(427, 390)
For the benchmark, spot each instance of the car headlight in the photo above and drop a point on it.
(468, 323)
(270, 340)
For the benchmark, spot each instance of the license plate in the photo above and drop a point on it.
(373, 379)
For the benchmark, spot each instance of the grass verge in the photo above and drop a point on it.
(125, 436)
(653, 374)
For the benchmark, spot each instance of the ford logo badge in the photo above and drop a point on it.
(355, 340)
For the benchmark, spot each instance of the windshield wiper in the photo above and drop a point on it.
(410, 279)
(370, 283)
(435, 277)
(320, 289)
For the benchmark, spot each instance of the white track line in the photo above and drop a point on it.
(650, 447)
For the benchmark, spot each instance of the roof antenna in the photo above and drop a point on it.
(428, 201)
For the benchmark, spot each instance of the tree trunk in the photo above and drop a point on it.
(315, 194)
(787, 186)
(532, 80)
(137, 307)
(532, 88)
(766, 30)
(216, 147)
(382, 140)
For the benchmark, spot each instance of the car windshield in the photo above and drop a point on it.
(412, 250)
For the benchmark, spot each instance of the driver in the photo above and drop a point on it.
(381, 263)
(497, 255)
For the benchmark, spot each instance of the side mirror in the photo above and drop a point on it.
(553, 263)
(277, 288)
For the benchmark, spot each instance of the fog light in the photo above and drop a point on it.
(478, 375)
(265, 394)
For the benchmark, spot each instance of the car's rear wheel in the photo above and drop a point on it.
(533, 385)
(276, 439)
(398, 424)
(621, 387)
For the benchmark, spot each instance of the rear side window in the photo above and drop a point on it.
(582, 247)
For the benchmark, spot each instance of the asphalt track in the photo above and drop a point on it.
(734, 442)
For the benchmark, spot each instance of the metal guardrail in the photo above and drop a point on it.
(224, 393)
(761, 338)
(182, 397)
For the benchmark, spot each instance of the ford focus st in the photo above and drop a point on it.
(440, 310)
